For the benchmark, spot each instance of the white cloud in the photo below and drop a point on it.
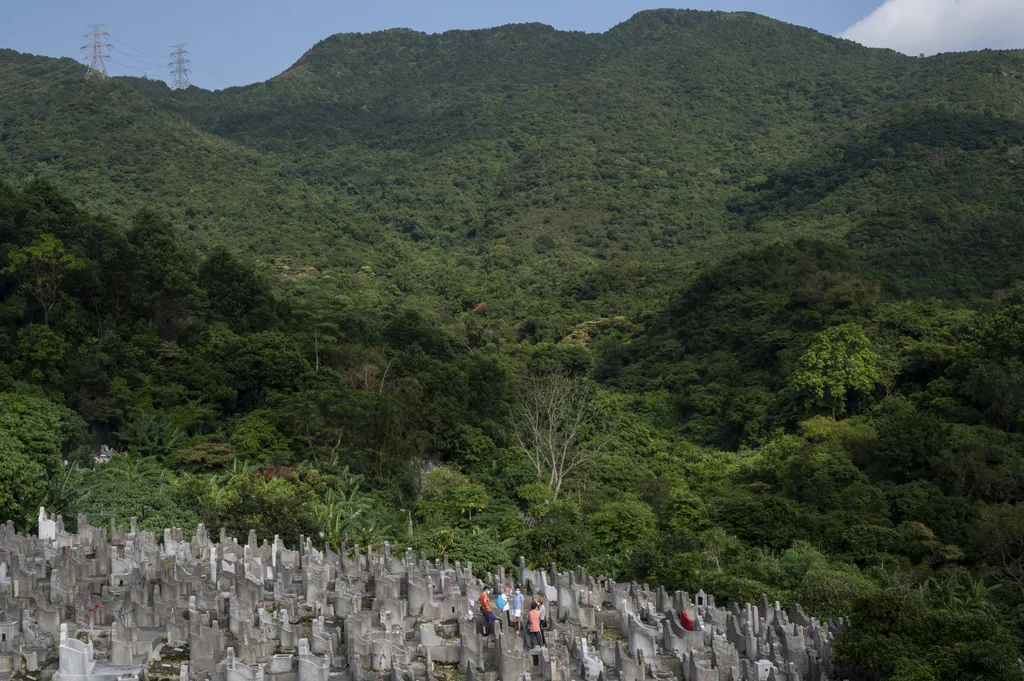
(930, 26)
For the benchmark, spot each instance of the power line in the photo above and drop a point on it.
(133, 64)
(130, 69)
(212, 75)
(147, 64)
(39, 70)
(147, 55)
(96, 54)
(33, 82)
(153, 61)
(143, 58)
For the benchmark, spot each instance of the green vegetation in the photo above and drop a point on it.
(707, 300)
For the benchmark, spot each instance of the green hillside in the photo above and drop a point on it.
(673, 138)
(111, 149)
(780, 276)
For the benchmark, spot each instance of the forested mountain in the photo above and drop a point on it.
(774, 274)
(674, 137)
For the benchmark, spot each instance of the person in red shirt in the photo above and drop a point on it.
(487, 610)
(684, 619)
(534, 619)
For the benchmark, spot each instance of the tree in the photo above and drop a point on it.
(150, 498)
(42, 430)
(450, 498)
(959, 593)
(262, 362)
(893, 633)
(63, 492)
(133, 467)
(279, 505)
(830, 591)
(162, 275)
(256, 438)
(41, 352)
(557, 424)
(41, 267)
(22, 482)
(151, 436)
(1001, 538)
(236, 292)
(345, 511)
(621, 526)
(839, 360)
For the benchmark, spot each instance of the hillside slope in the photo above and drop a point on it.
(112, 149)
(476, 165)
(755, 283)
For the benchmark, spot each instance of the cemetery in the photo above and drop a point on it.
(103, 604)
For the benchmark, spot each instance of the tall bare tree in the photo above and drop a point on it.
(41, 268)
(559, 426)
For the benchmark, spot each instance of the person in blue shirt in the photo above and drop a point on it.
(502, 605)
(517, 608)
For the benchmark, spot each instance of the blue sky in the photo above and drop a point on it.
(234, 42)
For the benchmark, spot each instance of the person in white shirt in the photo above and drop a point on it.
(543, 619)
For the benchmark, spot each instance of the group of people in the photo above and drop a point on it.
(511, 604)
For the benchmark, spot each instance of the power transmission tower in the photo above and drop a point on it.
(95, 52)
(179, 68)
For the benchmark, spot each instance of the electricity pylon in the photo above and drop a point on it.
(179, 68)
(95, 53)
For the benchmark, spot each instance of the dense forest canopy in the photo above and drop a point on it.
(708, 300)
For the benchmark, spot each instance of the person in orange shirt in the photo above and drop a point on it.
(487, 610)
(534, 619)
